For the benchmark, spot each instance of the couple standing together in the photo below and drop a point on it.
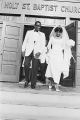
(57, 54)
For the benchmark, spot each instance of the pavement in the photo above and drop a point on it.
(19, 103)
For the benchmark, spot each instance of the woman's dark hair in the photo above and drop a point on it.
(58, 29)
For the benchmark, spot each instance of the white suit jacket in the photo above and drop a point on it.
(34, 41)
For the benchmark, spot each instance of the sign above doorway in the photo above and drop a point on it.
(41, 8)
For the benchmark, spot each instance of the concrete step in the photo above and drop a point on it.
(21, 112)
(29, 106)
(42, 100)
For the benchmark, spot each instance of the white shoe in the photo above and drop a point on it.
(50, 87)
(57, 90)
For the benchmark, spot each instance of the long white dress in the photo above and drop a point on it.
(58, 61)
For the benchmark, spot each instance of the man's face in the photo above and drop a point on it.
(37, 26)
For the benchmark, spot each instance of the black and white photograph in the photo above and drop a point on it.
(39, 59)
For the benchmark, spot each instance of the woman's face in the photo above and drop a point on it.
(58, 34)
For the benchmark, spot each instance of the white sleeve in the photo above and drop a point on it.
(70, 43)
(43, 43)
(49, 44)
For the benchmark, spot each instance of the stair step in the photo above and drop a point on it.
(42, 100)
(21, 111)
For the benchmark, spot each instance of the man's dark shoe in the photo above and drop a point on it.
(43, 81)
(33, 86)
(26, 84)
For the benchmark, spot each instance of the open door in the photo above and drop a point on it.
(1, 25)
(10, 51)
(70, 81)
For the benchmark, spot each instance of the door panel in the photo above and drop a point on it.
(11, 43)
(9, 56)
(78, 63)
(8, 69)
(78, 37)
(1, 25)
(12, 30)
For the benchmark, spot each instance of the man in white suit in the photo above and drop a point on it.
(34, 49)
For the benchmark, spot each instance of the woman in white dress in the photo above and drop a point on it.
(59, 55)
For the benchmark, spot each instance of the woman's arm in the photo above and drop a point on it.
(24, 44)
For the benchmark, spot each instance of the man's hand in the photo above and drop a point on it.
(37, 55)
